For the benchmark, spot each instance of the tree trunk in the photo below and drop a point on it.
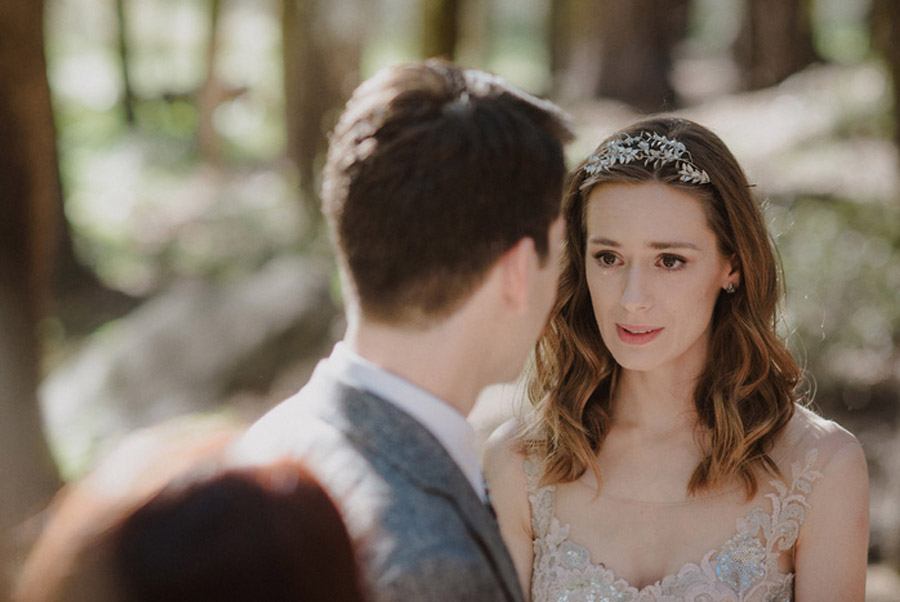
(321, 67)
(124, 52)
(775, 41)
(79, 299)
(440, 28)
(574, 47)
(885, 24)
(305, 94)
(558, 31)
(210, 92)
(473, 44)
(29, 193)
(637, 39)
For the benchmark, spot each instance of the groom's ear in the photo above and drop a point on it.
(515, 267)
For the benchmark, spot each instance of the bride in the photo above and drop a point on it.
(669, 455)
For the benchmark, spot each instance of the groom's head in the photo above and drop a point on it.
(433, 173)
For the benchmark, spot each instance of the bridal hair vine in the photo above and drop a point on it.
(651, 149)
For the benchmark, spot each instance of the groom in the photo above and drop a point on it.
(442, 188)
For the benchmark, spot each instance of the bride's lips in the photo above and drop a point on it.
(633, 334)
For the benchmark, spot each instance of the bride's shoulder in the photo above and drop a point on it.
(817, 443)
(807, 430)
(505, 448)
(824, 466)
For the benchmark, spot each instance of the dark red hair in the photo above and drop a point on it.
(187, 528)
(264, 533)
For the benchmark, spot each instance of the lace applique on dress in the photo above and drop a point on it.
(743, 569)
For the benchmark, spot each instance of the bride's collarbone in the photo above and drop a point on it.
(655, 484)
(661, 482)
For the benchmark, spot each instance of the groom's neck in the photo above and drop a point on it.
(442, 359)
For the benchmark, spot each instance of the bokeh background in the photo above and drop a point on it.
(162, 255)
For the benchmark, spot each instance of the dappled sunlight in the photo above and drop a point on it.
(85, 79)
(143, 225)
(189, 200)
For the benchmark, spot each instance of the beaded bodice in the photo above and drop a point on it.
(742, 569)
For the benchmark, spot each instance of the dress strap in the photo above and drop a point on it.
(781, 527)
(540, 498)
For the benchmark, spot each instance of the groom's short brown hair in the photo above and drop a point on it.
(433, 172)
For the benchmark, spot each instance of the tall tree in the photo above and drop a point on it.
(558, 30)
(124, 68)
(321, 67)
(475, 23)
(80, 300)
(636, 43)
(29, 192)
(775, 41)
(209, 95)
(440, 27)
(574, 48)
(885, 22)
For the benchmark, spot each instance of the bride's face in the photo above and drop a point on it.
(654, 271)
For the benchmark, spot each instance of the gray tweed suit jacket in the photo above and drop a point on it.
(421, 531)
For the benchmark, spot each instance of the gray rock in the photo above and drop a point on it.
(184, 351)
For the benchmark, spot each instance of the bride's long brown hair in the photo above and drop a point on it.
(743, 399)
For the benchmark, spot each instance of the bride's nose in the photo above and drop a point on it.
(635, 296)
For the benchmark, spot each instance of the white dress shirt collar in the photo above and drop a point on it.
(441, 419)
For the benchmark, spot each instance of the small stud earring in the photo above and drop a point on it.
(730, 288)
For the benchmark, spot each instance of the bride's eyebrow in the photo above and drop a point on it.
(660, 246)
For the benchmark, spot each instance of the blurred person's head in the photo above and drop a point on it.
(72, 558)
(668, 267)
(193, 530)
(260, 533)
(435, 175)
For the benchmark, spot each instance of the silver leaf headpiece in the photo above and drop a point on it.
(649, 148)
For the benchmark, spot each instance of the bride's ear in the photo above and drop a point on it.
(734, 273)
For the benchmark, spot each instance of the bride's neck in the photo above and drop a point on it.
(654, 402)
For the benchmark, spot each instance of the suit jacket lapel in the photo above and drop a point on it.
(387, 431)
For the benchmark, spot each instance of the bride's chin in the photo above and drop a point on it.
(627, 361)
(637, 367)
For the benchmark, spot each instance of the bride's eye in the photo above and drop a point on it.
(671, 262)
(606, 259)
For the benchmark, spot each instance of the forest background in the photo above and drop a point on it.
(162, 254)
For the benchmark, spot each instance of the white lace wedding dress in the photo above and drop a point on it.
(744, 567)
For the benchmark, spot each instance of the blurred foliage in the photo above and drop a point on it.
(146, 210)
(842, 265)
